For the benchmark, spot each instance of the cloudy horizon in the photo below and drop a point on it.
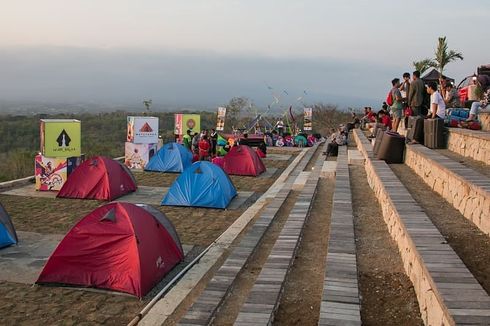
(203, 53)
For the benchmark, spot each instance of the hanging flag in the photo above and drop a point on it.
(220, 125)
(307, 125)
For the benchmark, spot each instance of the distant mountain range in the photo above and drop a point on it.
(86, 79)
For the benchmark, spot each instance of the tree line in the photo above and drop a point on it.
(105, 133)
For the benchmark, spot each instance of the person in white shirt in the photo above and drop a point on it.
(437, 104)
(280, 127)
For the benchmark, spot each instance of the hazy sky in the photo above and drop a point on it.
(195, 51)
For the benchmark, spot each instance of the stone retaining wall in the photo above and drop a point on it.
(470, 143)
(484, 117)
(432, 309)
(466, 190)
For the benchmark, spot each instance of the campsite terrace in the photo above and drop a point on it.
(346, 240)
(43, 218)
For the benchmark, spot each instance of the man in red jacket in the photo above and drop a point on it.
(204, 147)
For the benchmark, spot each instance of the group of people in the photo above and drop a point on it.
(412, 97)
(203, 144)
(409, 98)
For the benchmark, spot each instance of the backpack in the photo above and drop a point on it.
(389, 98)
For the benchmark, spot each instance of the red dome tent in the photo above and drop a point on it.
(243, 160)
(118, 246)
(99, 178)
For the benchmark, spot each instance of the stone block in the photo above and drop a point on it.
(328, 169)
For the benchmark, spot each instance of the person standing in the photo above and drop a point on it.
(214, 141)
(280, 127)
(416, 93)
(188, 140)
(405, 90)
(204, 147)
(437, 105)
(405, 87)
(397, 106)
(195, 142)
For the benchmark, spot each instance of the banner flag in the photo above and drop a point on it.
(220, 125)
(307, 125)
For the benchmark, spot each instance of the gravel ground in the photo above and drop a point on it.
(23, 304)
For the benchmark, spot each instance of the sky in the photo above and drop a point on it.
(203, 53)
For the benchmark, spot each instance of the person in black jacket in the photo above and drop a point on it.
(214, 142)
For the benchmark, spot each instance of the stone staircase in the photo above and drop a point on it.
(447, 292)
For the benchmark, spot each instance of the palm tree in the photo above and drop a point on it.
(444, 56)
(423, 65)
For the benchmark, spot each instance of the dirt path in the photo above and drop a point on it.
(300, 302)
(22, 304)
(388, 297)
(471, 245)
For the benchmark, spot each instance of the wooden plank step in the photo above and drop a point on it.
(261, 305)
(340, 301)
(203, 310)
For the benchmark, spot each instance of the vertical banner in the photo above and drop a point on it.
(191, 122)
(184, 122)
(220, 124)
(178, 124)
(307, 120)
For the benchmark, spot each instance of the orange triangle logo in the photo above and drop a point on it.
(146, 128)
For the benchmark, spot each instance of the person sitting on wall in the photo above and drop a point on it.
(354, 123)
(437, 105)
(384, 120)
(335, 140)
(484, 85)
(451, 97)
(383, 123)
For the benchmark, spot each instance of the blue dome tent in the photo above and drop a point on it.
(203, 184)
(7, 232)
(172, 157)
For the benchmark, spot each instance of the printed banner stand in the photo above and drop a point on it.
(184, 122)
(142, 130)
(60, 137)
(308, 114)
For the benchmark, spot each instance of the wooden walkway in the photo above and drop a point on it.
(264, 297)
(204, 309)
(340, 302)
